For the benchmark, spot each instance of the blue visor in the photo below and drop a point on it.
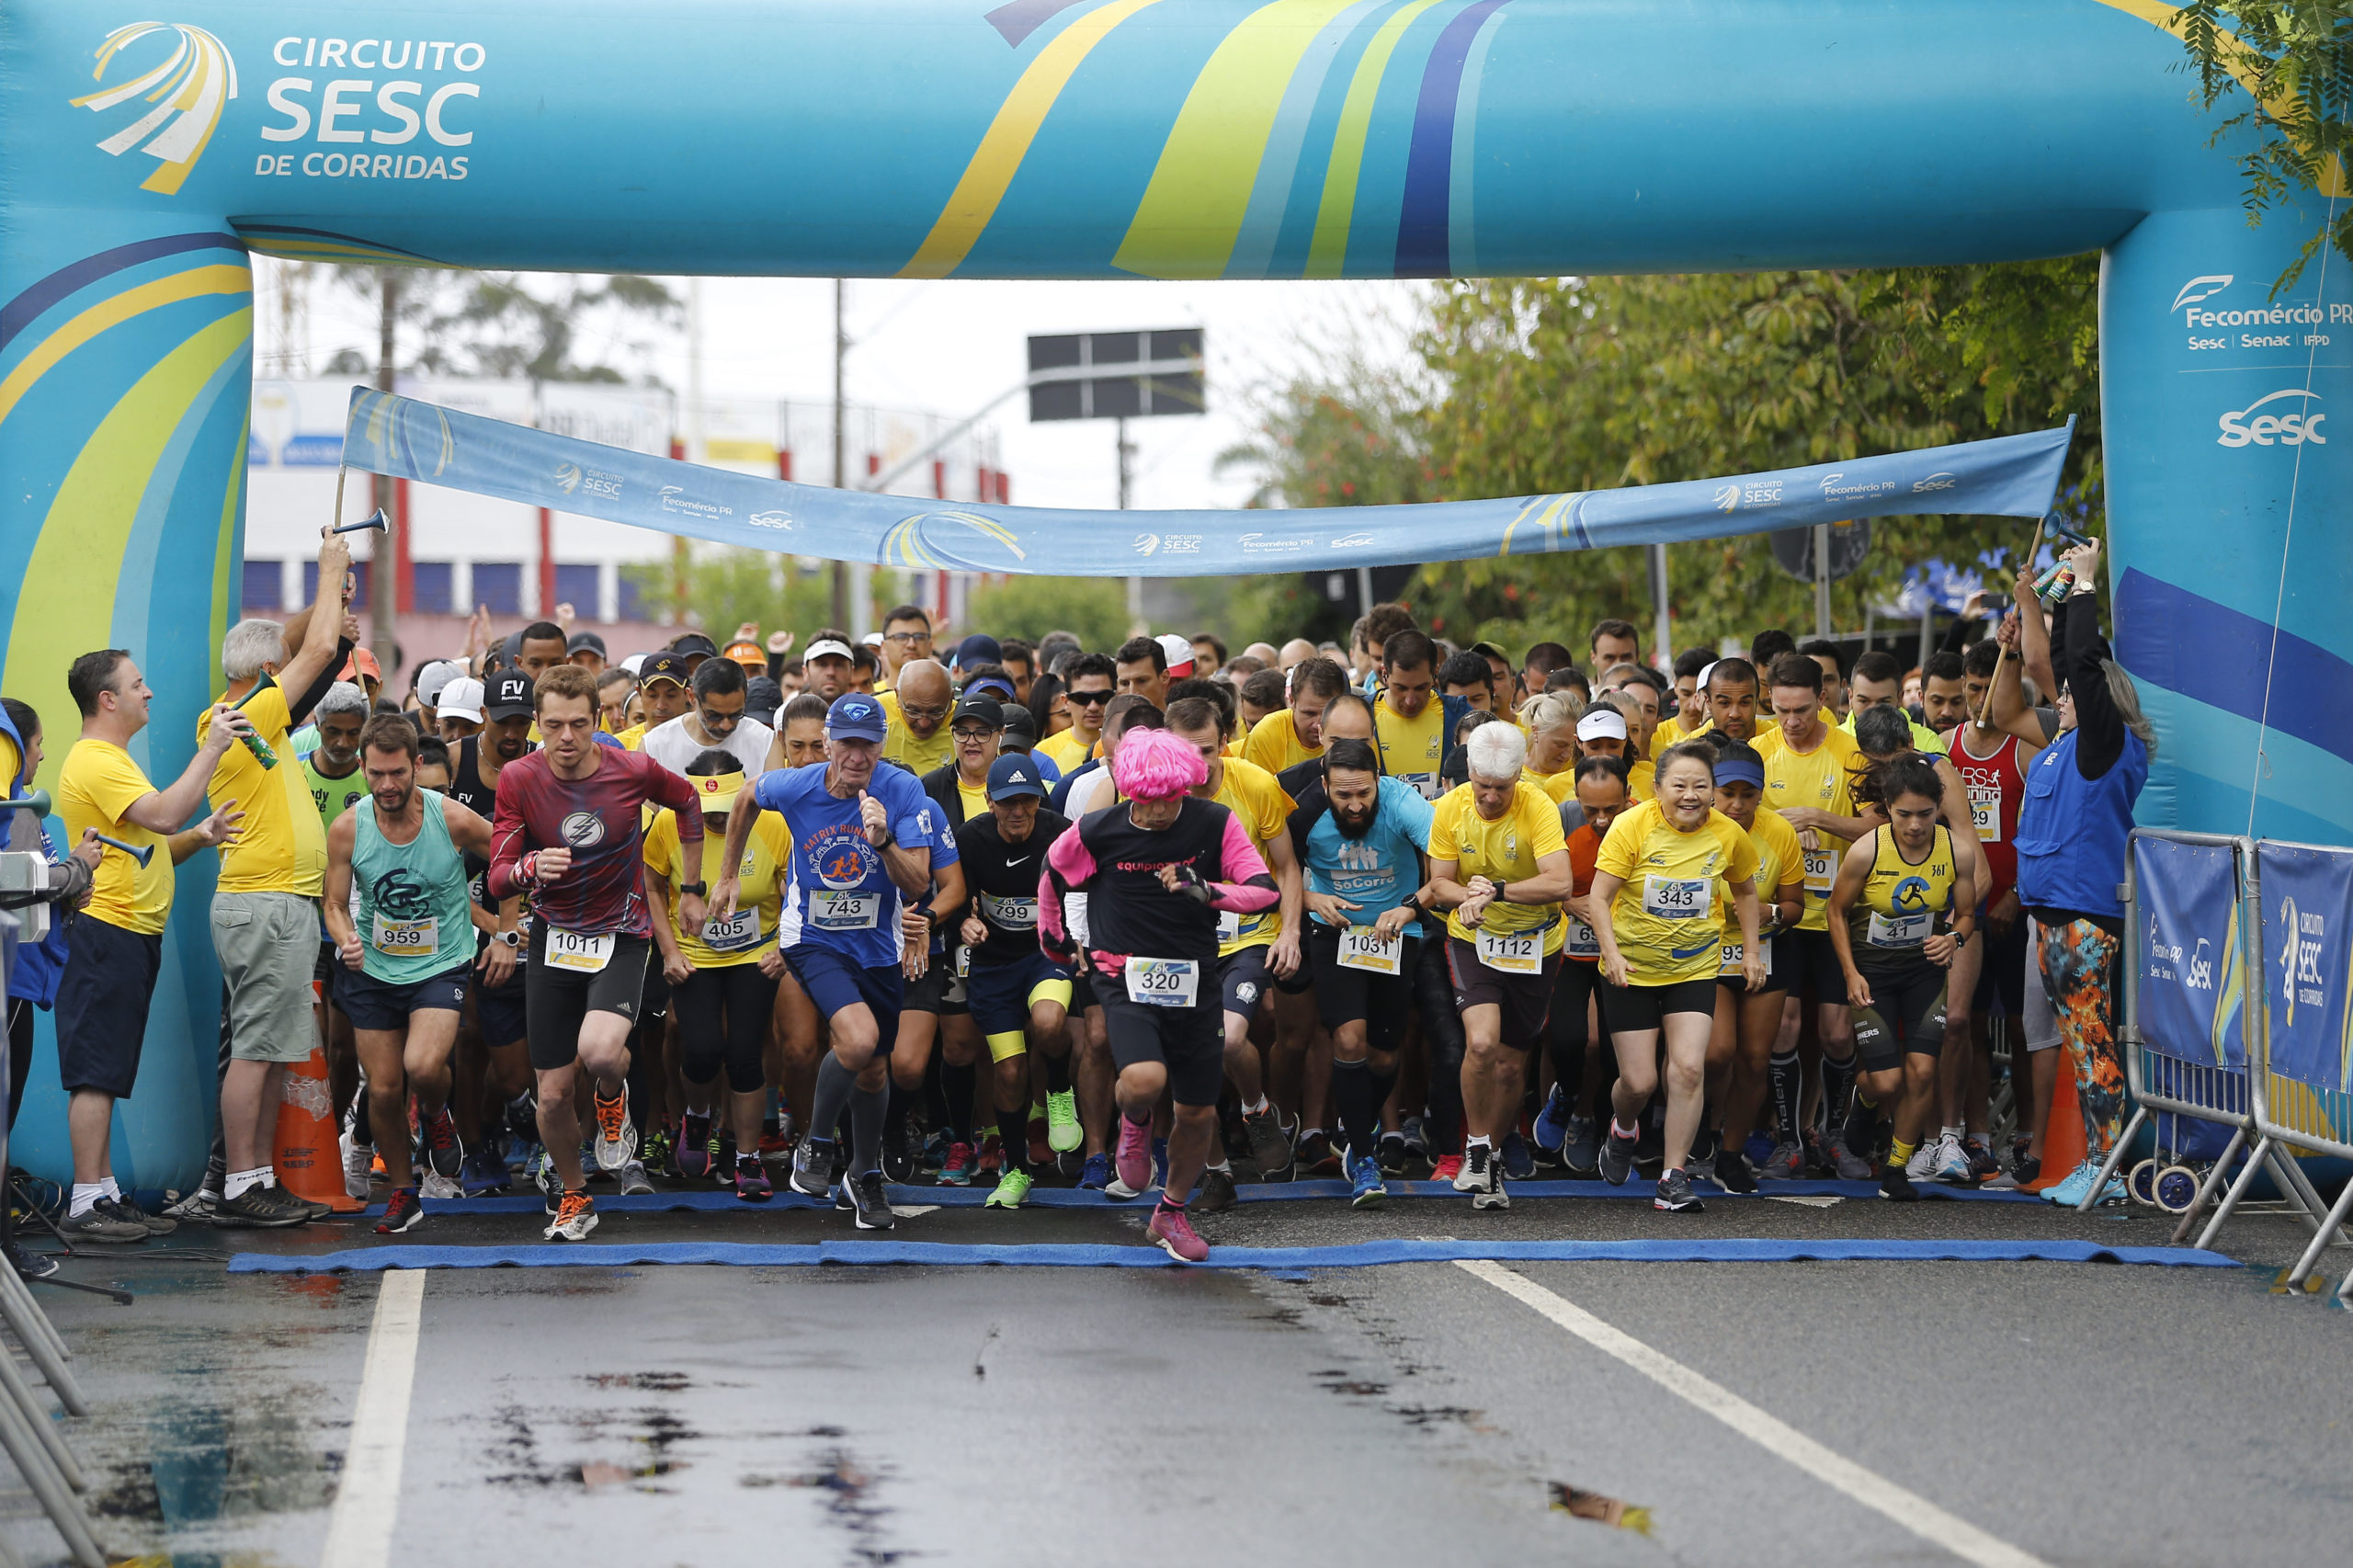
(1739, 770)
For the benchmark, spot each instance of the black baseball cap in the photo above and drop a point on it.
(987, 709)
(670, 665)
(510, 697)
(1020, 727)
(586, 641)
(693, 644)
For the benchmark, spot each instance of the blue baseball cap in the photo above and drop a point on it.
(1013, 775)
(1740, 770)
(857, 717)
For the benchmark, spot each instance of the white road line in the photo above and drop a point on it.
(360, 1531)
(1775, 1436)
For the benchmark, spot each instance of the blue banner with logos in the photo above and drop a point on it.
(387, 434)
(2190, 948)
(2307, 921)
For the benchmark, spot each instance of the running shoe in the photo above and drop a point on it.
(256, 1208)
(752, 1184)
(575, 1216)
(1063, 1133)
(957, 1169)
(1011, 1188)
(1269, 1145)
(436, 1185)
(485, 1173)
(1786, 1164)
(695, 1144)
(873, 1210)
(1704, 1144)
(1732, 1172)
(1417, 1137)
(1581, 1148)
(1316, 1157)
(899, 1151)
(1983, 1165)
(29, 1264)
(2070, 1192)
(2024, 1169)
(1922, 1165)
(1478, 1159)
(1860, 1130)
(1551, 1126)
(103, 1221)
(1369, 1190)
(1095, 1173)
(1617, 1158)
(1216, 1192)
(551, 1190)
(199, 1207)
(1172, 1231)
(1393, 1154)
(1675, 1195)
(441, 1144)
(1519, 1161)
(659, 1150)
(523, 1119)
(1849, 1166)
(1952, 1163)
(616, 1138)
(813, 1167)
(358, 1160)
(1132, 1161)
(776, 1143)
(1491, 1194)
(634, 1180)
(401, 1213)
(309, 1210)
(1895, 1183)
(1449, 1169)
(1818, 1160)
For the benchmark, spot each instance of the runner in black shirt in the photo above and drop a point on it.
(492, 1057)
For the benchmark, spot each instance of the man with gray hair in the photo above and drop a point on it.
(265, 904)
(1499, 863)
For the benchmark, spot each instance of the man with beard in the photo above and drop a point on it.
(403, 941)
(1363, 840)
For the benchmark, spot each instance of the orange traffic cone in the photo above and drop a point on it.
(310, 1155)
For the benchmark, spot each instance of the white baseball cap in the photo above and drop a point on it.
(1180, 652)
(461, 699)
(826, 648)
(1607, 723)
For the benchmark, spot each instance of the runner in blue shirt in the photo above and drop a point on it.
(1363, 838)
(864, 841)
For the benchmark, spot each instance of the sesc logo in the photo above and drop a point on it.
(2201, 288)
(567, 477)
(2287, 429)
(189, 88)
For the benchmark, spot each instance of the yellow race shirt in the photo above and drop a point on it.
(1254, 797)
(1274, 744)
(1903, 903)
(1501, 851)
(1667, 917)
(632, 738)
(1412, 750)
(921, 756)
(1070, 754)
(975, 797)
(98, 783)
(281, 846)
(725, 944)
(1821, 778)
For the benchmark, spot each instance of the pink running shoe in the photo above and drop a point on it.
(1173, 1229)
(1132, 1163)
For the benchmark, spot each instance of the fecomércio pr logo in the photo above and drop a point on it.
(185, 90)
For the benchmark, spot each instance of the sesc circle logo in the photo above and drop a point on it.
(188, 87)
(2243, 427)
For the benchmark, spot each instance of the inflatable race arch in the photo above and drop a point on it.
(144, 159)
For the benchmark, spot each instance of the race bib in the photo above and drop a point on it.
(1364, 948)
(576, 951)
(1427, 785)
(1900, 931)
(963, 960)
(1513, 953)
(1985, 813)
(738, 933)
(1734, 952)
(407, 939)
(1582, 942)
(1229, 925)
(1009, 914)
(1164, 982)
(1821, 871)
(845, 911)
(1675, 898)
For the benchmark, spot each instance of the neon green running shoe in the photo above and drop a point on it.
(1011, 1188)
(1062, 1133)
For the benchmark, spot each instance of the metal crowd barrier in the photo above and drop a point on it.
(2304, 1090)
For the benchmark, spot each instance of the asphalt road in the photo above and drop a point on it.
(2066, 1413)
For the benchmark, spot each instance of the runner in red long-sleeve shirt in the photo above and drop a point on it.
(569, 832)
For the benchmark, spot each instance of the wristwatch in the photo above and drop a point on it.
(511, 938)
(697, 888)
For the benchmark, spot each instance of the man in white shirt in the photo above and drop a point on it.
(716, 721)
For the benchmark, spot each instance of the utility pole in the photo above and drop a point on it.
(1822, 579)
(841, 442)
(1127, 481)
(382, 591)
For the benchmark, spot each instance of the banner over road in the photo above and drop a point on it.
(2008, 476)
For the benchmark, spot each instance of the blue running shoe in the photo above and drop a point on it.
(2070, 1192)
(1095, 1174)
(485, 1173)
(1369, 1188)
(1553, 1125)
(1519, 1164)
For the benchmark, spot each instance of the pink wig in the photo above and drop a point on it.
(1151, 765)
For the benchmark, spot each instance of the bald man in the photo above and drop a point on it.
(920, 738)
(1297, 649)
(1264, 652)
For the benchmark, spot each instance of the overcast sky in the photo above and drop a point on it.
(951, 345)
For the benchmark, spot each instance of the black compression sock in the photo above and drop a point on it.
(1837, 1083)
(1786, 1078)
(1013, 1137)
(866, 1109)
(1057, 1071)
(835, 1083)
(899, 1104)
(959, 1083)
(1359, 1109)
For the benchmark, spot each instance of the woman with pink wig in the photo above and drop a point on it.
(1156, 873)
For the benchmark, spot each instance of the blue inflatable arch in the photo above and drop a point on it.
(144, 160)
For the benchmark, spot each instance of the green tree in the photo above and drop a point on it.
(1093, 609)
(727, 586)
(540, 327)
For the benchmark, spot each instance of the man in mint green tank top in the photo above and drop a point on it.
(403, 925)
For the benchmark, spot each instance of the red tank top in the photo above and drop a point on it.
(1996, 787)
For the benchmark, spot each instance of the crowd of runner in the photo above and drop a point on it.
(847, 914)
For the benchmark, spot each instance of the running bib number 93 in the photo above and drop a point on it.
(1164, 982)
(578, 952)
(408, 939)
(1363, 946)
(1675, 898)
(845, 911)
(1513, 953)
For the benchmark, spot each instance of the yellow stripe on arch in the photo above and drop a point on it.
(2164, 15)
(994, 163)
(113, 312)
(1327, 252)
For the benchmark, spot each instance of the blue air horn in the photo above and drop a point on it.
(374, 522)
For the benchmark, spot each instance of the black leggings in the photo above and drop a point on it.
(746, 998)
(20, 1054)
(1442, 1045)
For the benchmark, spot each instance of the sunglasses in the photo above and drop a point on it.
(1089, 698)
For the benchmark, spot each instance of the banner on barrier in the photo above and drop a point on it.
(2193, 973)
(2307, 935)
(2007, 476)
